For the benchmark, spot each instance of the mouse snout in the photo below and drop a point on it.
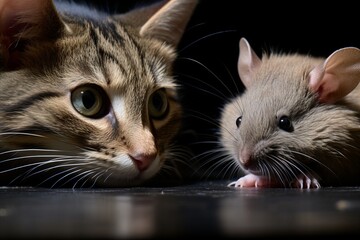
(245, 156)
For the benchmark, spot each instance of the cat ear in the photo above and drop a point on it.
(165, 20)
(248, 62)
(337, 76)
(168, 24)
(22, 21)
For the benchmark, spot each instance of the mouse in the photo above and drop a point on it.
(297, 122)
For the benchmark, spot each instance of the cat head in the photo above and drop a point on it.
(87, 97)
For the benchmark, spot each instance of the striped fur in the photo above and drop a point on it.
(49, 54)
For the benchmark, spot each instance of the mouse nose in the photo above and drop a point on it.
(142, 161)
(245, 156)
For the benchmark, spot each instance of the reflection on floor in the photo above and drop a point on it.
(200, 209)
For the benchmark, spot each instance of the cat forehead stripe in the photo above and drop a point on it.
(120, 48)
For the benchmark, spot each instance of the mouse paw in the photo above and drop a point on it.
(250, 180)
(304, 182)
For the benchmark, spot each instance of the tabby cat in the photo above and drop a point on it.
(87, 98)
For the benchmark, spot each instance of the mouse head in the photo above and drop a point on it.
(288, 100)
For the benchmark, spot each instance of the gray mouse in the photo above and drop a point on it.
(297, 124)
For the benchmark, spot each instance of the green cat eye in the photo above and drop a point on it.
(90, 101)
(158, 104)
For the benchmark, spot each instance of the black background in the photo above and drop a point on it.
(212, 38)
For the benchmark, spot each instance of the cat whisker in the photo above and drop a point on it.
(19, 37)
(208, 153)
(76, 170)
(82, 172)
(203, 117)
(32, 157)
(27, 176)
(29, 150)
(169, 170)
(176, 155)
(97, 176)
(234, 83)
(178, 152)
(232, 168)
(217, 92)
(214, 75)
(89, 175)
(21, 134)
(190, 28)
(70, 160)
(62, 139)
(205, 37)
(105, 179)
(208, 142)
(215, 158)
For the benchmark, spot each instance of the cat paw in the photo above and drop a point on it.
(249, 181)
(304, 182)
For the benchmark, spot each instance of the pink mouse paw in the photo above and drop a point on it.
(250, 180)
(304, 182)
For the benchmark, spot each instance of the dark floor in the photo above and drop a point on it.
(200, 209)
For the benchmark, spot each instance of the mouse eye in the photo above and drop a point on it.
(238, 121)
(285, 124)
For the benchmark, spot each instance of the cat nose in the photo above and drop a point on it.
(143, 161)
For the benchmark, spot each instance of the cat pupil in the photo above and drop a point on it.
(88, 99)
(157, 102)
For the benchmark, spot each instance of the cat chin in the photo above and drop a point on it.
(127, 175)
(128, 168)
(152, 170)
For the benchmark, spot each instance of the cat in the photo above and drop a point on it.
(87, 98)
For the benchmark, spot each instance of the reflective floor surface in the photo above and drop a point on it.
(208, 208)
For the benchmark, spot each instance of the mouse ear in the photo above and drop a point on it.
(248, 62)
(337, 76)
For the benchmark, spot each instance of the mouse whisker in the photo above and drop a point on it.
(283, 171)
(311, 158)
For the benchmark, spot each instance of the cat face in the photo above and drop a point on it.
(91, 102)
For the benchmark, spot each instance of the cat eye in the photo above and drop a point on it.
(158, 104)
(285, 124)
(238, 121)
(90, 101)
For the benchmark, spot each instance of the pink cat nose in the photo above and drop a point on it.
(143, 161)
